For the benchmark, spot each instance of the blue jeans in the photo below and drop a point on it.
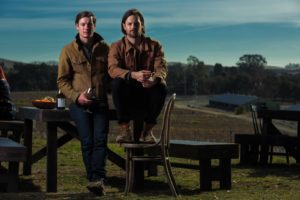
(93, 129)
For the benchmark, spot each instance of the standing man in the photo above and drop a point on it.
(83, 67)
(138, 67)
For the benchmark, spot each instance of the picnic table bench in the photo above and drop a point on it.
(12, 152)
(254, 148)
(258, 148)
(205, 152)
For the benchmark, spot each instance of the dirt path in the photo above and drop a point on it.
(282, 125)
(212, 111)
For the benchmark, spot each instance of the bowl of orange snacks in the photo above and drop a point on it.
(45, 103)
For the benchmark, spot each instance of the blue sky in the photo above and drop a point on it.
(215, 31)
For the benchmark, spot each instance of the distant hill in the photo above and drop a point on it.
(9, 63)
(51, 63)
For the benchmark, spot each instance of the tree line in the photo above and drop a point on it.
(250, 76)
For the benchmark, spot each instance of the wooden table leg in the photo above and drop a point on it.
(51, 157)
(225, 175)
(139, 166)
(205, 174)
(13, 172)
(28, 143)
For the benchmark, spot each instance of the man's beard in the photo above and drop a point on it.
(134, 34)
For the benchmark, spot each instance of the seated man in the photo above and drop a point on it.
(7, 107)
(137, 64)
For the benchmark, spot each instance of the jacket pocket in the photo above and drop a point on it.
(78, 64)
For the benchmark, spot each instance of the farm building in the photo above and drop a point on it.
(231, 101)
(295, 107)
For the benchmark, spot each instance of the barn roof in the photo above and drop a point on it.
(233, 99)
(295, 107)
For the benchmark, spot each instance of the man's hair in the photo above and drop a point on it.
(134, 12)
(85, 14)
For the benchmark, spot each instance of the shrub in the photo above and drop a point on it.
(239, 110)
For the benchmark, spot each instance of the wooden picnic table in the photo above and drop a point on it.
(275, 136)
(268, 115)
(58, 118)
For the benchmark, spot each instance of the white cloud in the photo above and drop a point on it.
(157, 13)
(228, 12)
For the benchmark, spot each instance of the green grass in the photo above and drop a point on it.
(279, 181)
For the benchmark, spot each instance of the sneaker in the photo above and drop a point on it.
(96, 187)
(123, 138)
(148, 138)
(125, 135)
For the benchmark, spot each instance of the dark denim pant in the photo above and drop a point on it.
(131, 95)
(93, 129)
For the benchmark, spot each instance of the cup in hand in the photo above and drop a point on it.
(90, 94)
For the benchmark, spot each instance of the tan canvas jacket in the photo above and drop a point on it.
(76, 74)
(123, 58)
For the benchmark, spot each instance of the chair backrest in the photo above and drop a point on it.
(165, 130)
(257, 124)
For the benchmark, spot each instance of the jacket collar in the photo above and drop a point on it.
(145, 46)
(97, 38)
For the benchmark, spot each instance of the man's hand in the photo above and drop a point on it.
(141, 76)
(149, 83)
(83, 100)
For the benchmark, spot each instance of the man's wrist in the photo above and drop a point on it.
(133, 75)
(128, 76)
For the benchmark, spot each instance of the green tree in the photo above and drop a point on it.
(293, 66)
(175, 78)
(218, 70)
(32, 77)
(252, 62)
(195, 75)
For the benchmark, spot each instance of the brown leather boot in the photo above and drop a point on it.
(147, 133)
(125, 134)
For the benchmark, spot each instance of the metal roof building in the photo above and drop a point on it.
(231, 101)
(295, 107)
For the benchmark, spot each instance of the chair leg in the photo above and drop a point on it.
(170, 172)
(287, 155)
(131, 175)
(271, 154)
(170, 177)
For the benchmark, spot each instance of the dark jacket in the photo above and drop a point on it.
(76, 73)
(123, 58)
(7, 107)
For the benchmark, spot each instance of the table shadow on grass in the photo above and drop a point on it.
(291, 171)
